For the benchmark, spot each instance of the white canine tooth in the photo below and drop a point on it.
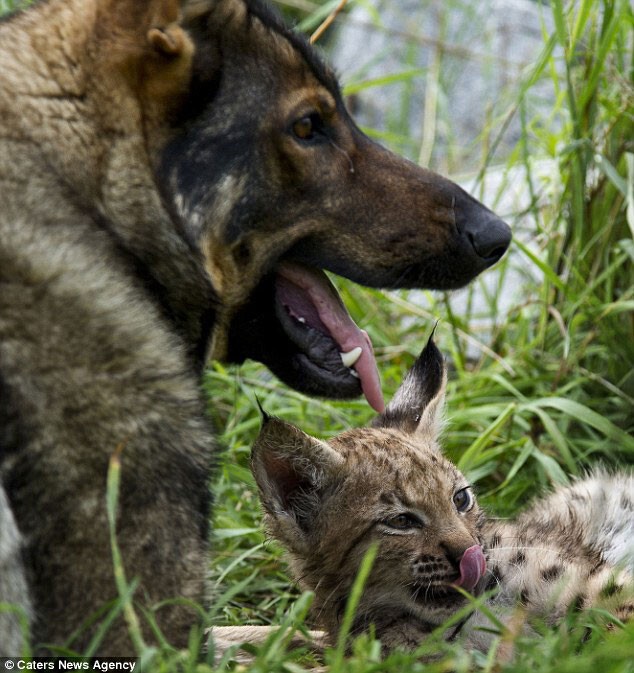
(353, 373)
(302, 320)
(352, 356)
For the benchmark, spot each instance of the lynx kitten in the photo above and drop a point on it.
(327, 503)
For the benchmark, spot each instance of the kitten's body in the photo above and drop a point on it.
(571, 550)
(391, 486)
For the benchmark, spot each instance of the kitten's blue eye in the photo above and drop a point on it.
(463, 499)
(403, 522)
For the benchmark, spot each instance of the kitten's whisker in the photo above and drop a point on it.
(553, 550)
(328, 599)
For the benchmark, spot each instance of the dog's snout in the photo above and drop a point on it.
(488, 235)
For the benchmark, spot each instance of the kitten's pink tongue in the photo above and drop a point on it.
(473, 565)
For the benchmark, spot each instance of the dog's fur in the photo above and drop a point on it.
(159, 160)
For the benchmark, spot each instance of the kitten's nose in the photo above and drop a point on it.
(455, 547)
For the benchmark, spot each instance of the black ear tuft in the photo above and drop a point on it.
(265, 416)
(422, 391)
(429, 371)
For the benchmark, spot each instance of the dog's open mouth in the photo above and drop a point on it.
(317, 322)
(297, 325)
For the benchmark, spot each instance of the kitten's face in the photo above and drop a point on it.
(402, 494)
(329, 503)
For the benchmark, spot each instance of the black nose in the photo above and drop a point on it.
(488, 235)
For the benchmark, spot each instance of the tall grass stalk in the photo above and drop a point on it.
(336, 663)
(124, 588)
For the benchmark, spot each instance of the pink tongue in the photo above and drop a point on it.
(473, 565)
(332, 314)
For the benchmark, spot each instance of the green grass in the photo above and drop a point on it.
(546, 391)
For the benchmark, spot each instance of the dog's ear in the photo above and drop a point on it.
(147, 43)
(169, 41)
(129, 27)
(417, 405)
(165, 35)
(292, 471)
(166, 69)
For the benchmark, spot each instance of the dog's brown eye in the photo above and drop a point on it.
(463, 499)
(308, 127)
(303, 128)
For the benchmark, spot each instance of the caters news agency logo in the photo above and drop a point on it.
(60, 664)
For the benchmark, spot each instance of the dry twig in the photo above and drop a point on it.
(327, 21)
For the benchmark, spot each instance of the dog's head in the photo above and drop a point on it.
(271, 180)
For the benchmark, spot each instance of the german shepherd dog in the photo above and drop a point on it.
(174, 179)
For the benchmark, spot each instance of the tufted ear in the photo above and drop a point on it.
(292, 471)
(418, 403)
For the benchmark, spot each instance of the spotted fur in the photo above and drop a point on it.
(390, 486)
